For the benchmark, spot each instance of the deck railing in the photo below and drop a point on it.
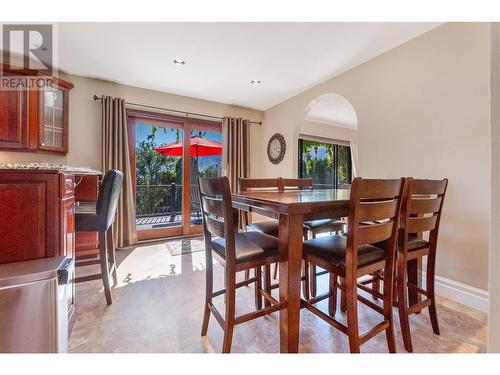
(155, 200)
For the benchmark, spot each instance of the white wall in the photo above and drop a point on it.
(423, 110)
(320, 130)
(494, 285)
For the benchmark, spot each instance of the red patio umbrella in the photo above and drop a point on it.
(199, 147)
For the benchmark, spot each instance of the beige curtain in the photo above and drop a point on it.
(115, 155)
(235, 153)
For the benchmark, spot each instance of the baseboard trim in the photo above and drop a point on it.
(462, 293)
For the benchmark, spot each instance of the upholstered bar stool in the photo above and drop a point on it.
(313, 228)
(101, 221)
(420, 212)
(236, 252)
(270, 227)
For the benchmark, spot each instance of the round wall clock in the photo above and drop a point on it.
(276, 148)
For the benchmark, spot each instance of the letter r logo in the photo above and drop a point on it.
(28, 47)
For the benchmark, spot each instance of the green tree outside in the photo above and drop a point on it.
(321, 168)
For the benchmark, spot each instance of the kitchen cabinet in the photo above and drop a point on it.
(37, 209)
(13, 119)
(37, 214)
(52, 124)
(35, 119)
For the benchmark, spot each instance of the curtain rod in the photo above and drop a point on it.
(187, 114)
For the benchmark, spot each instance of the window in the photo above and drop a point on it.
(328, 164)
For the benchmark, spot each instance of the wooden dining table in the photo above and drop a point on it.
(292, 208)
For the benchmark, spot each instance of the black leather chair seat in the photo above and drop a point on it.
(329, 225)
(333, 250)
(415, 243)
(249, 246)
(270, 227)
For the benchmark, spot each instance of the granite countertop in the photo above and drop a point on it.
(49, 167)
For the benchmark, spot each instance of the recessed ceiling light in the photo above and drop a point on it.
(179, 62)
(255, 82)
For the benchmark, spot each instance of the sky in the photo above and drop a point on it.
(322, 154)
(142, 130)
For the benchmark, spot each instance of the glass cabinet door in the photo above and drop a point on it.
(52, 119)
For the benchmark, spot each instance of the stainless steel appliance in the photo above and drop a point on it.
(34, 300)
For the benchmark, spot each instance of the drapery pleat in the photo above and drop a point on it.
(235, 153)
(354, 158)
(115, 155)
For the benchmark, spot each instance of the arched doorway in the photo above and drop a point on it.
(332, 109)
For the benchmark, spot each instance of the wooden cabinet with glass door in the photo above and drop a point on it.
(53, 120)
(34, 117)
(49, 117)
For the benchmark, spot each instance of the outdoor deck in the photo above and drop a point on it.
(163, 221)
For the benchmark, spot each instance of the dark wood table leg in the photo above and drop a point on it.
(290, 247)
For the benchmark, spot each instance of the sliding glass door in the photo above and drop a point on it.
(167, 155)
(206, 161)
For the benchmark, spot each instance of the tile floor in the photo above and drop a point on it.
(158, 307)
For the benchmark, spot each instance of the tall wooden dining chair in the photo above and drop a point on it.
(292, 184)
(421, 212)
(236, 252)
(314, 227)
(370, 245)
(101, 221)
(283, 184)
(269, 227)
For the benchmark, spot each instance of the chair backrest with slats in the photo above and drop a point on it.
(219, 218)
(421, 210)
(256, 184)
(246, 184)
(373, 216)
(279, 183)
(296, 183)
